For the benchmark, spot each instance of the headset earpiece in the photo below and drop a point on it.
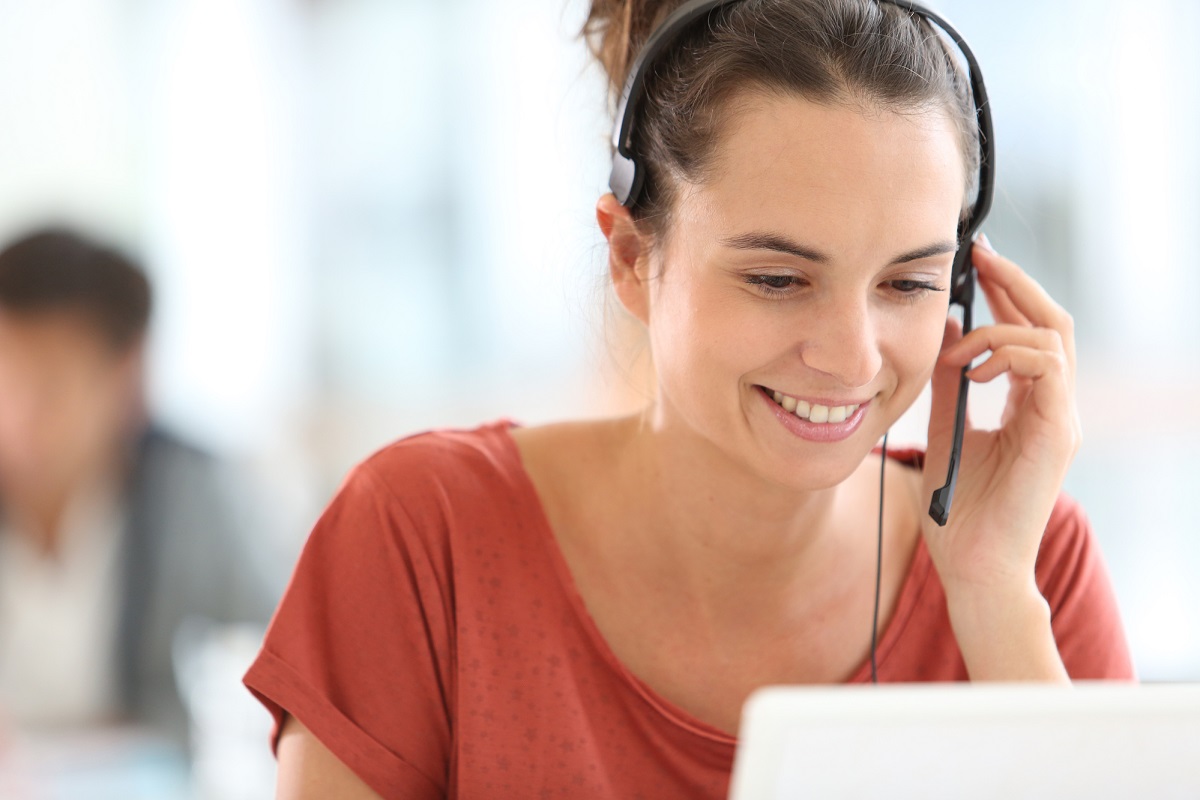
(625, 180)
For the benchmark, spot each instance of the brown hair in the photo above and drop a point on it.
(56, 269)
(857, 52)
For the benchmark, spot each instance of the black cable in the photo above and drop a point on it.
(878, 566)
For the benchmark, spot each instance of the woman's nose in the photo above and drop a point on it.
(842, 343)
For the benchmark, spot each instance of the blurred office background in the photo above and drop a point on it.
(365, 218)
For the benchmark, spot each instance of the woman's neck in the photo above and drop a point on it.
(719, 530)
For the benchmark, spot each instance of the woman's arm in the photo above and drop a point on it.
(1006, 637)
(308, 771)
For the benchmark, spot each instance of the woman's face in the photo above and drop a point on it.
(814, 263)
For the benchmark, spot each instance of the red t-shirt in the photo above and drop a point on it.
(433, 639)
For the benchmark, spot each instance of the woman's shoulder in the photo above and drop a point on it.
(1069, 541)
(564, 446)
(566, 462)
(426, 485)
(501, 456)
(446, 456)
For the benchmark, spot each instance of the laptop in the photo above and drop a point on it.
(977, 741)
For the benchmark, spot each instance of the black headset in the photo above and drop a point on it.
(628, 178)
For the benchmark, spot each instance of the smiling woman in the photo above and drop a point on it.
(581, 609)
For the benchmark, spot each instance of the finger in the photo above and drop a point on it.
(1039, 366)
(1027, 295)
(992, 337)
(1040, 390)
(1001, 304)
(1042, 378)
(998, 301)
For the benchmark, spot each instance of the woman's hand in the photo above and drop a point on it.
(1010, 478)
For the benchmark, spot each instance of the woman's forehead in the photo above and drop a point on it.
(785, 160)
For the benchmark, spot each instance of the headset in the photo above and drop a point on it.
(627, 181)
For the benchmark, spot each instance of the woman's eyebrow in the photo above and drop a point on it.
(781, 244)
(928, 251)
(773, 241)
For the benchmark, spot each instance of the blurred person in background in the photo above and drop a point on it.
(113, 532)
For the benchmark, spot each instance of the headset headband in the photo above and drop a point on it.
(627, 177)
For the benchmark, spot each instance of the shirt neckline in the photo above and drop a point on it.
(914, 582)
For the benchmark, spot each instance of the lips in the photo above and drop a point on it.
(832, 423)
(818, 413)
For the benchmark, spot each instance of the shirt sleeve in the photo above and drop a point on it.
(1083, 608)
(359, 649)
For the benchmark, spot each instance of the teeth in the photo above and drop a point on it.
(813, 412)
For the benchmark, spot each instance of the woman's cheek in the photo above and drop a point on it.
(930, 343)
(915, 344)
(680, 339)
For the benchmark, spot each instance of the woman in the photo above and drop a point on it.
(580, 610)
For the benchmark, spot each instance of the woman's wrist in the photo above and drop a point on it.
(1004, 633)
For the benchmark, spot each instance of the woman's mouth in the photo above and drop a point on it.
(812, 420)
(813, 412)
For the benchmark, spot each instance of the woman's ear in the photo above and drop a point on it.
(628, 256)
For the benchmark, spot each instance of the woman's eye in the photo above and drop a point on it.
(784, 285)
(772, 284)
(913, 289)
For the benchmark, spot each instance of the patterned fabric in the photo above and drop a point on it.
(433, 639)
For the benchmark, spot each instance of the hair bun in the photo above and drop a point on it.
(616, 29)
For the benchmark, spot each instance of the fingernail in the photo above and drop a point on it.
(983, 242)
